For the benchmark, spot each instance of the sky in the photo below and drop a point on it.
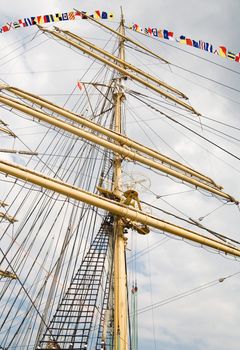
(208, 319)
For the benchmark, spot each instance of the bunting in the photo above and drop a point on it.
(57, 17)
(150, 31)
(182, 39)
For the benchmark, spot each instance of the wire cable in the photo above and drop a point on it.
(185, 294)
(186, 127)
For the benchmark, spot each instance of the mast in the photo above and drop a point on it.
(126, 216)
(120, 281)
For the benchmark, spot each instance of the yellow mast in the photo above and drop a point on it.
(119, 148)
(125, 214)
(123, 36)
(120, 280)
(129, 213)
(114, 64)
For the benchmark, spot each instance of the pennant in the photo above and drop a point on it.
(189, 42)
(182, 40)
(104, 15)
(160, 33)
(40, 20)
(46, 19)
(80, 85)
(170, 36)
(199, 44)
(237, 58)
(5, 28)
(165, 34)
(28, 21)
(22, 23)
(206, 46)
(71, 16)
(84, 15)
(34, 20)
(16, 25)
(195, 44)
(97, 14)
(57, 17)
(65, 16)
(222, 51)
(155, 32)
(137, 28)
(149, 30)
(231, 55)
(80, 14)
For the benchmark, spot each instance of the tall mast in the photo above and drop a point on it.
(120, 281)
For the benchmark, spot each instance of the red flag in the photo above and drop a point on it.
(237, 58)
(80, 85)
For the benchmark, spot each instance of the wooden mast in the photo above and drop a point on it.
(120, 275)
(120, 286)
(120, 210)
(185, 174)
(115, 65)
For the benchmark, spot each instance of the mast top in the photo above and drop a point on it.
(122, 17)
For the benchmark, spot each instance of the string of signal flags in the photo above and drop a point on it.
(158, 33)
(183, 39)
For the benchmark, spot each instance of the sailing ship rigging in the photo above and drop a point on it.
(67, 210)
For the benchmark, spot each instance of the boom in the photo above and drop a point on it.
(116, 208)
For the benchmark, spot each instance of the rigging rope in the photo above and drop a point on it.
(184, 126)
(202, 76)
(185, 294)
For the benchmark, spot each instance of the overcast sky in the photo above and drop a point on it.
(209, 319)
